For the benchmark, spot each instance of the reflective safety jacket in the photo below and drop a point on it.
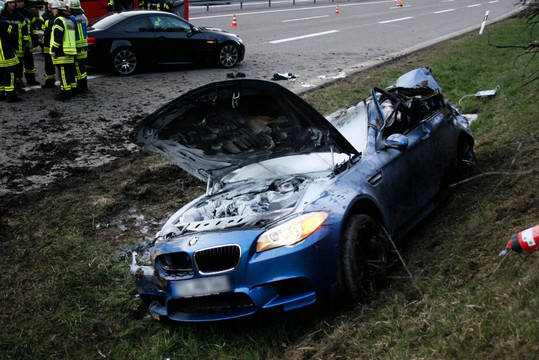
(63, 42)
(162, 5)
(31, 28)
(19, 32)
(45, 23)
(81, 35)
(7, 53)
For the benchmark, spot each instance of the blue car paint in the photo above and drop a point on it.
(396, 187)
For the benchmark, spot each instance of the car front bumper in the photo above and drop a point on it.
(284, 278)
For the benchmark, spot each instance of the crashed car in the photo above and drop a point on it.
(299, 207)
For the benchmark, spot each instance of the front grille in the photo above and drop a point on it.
(218, 259)
(175, 263)
(213, 304)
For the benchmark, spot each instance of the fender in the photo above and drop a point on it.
(116, 44)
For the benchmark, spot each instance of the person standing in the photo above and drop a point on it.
(32, 42)
(46, 20)
(16, 20)
(81, 41)
(8, 59)
(63, 49)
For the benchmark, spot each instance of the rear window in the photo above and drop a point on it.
(107, 21)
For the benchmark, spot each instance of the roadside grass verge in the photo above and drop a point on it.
(66, 290)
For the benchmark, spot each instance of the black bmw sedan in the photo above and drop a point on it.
(127, 41)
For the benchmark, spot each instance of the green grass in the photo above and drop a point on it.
(66, 290)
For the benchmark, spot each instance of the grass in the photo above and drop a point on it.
(66, 290)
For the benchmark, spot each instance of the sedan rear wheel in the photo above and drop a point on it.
(365, 256)
(228, 55)
(124, 61)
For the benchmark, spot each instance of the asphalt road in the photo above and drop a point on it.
(310, 40)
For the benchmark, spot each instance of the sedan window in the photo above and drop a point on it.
(138, 24)
(169, 23)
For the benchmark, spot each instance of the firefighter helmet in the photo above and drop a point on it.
(57, 4)
(74, 4)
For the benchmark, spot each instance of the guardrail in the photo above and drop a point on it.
(208, 3)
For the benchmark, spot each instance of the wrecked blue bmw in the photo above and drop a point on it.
(299, 207)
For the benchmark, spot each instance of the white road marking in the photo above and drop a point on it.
(443, 11)
(474, 5)
(306, 18)
(401, 19)
(304, 36)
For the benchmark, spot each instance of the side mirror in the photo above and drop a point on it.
(194, 30)
(396, 141)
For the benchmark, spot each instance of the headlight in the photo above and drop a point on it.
(291, 232)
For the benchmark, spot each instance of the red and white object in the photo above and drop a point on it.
(526, 240)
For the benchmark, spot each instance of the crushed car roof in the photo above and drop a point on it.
(222, 126)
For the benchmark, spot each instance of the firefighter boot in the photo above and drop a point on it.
(2, 96)
(49, 83)
(11, 96)
(31, 79)
(19, 86)
(63, 95)
(82, 86)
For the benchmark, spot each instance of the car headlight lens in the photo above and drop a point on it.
(291, 232)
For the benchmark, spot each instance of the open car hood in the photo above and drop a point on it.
(219, 127)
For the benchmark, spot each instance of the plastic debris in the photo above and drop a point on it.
(284, 76)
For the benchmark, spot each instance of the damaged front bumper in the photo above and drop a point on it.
(278, 279)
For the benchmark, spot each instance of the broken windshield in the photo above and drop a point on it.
(287, 165)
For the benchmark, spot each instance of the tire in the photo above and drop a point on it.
(365, 257)
(228, 56)
(466, 160)
(124, 61)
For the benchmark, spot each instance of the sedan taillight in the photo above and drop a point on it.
(91, 40)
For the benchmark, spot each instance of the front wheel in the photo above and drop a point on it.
(466, 160)
(124, 61)
(228, 56)
(365, 256)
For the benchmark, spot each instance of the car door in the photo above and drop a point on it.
(174, 40)
(139, 32)
(408, 180)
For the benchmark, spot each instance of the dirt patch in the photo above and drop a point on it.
(43, 140)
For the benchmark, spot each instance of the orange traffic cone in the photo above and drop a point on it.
(337, 10)
(234, 22)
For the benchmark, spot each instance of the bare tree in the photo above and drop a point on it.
(531, 47)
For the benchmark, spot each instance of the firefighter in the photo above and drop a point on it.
(8, 59)
(160, 5)
(81, 41)
(16, 20)
(32, 41)
(63, 49)
(45, 21)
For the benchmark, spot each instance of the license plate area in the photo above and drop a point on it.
(201, 287)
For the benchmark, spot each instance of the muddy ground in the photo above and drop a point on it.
(43, 140)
